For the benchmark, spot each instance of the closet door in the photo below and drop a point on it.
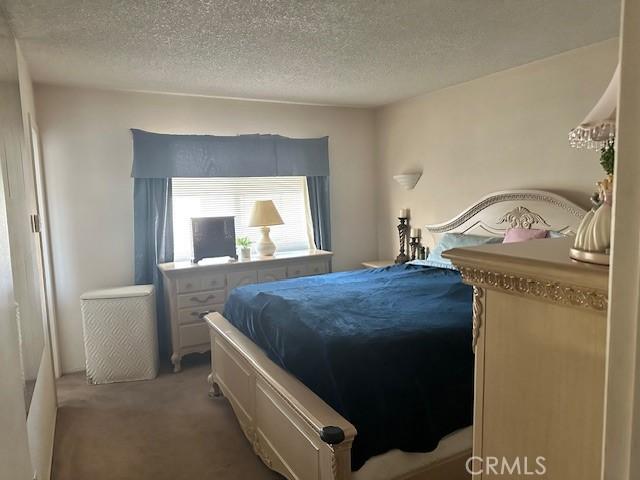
(14, 449)
(26, 377)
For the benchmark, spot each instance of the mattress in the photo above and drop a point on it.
(389, 349)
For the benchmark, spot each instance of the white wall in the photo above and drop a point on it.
(87, 153)
(506, 130)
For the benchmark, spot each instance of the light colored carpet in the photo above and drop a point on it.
(165, 428)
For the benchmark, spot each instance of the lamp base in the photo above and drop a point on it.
(597, 258)
(265, 247)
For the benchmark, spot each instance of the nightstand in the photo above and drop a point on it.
(377, 263)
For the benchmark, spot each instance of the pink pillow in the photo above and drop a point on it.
(514, 235)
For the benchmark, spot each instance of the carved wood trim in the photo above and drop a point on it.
(334, 463)
(478, 309)
(261, 452)
(523, 196)
(340, 461)
(522, 217)
(541, 289)
(254, 439)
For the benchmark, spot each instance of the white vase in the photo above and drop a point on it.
(600, 230)
(245, 253)
(582, 233)
(594, 232)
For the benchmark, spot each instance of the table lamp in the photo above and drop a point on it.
(263, 215)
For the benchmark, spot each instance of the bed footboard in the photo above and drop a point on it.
(290, 428)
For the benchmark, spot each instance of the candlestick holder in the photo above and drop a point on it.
(413, 244)
(403, 226)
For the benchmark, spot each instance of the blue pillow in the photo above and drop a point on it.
(554, 234)
(453, 240)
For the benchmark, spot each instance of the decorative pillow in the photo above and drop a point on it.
(515, 235)
(454, 240)
(555, 234)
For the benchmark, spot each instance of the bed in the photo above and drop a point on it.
(278, 361)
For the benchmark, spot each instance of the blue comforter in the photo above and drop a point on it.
(389, 349)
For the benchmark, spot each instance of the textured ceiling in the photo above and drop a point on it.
(349, 52)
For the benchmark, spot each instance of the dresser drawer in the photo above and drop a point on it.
(237, 279)
(296, 270)
(193, 315)
(317, 268)
(191, 284)
(201, 298)
(272, 274)
(214, 282)
(194, 334)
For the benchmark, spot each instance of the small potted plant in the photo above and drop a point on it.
(245, 247)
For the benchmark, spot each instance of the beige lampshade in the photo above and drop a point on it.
(264, 213)
(600, 125)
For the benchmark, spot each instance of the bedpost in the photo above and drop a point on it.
(340, 451)
(341, 461)
(332, 435)
(214, 388)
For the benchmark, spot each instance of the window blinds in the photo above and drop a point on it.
(225, 196)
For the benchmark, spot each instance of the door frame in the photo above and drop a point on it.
(621, 442)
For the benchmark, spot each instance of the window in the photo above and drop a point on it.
(217, 197)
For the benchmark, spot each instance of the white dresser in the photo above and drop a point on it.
(539, 329)
(193, 290)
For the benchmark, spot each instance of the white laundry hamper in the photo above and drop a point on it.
(120, 336)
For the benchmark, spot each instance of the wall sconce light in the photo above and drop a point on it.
(408, 180)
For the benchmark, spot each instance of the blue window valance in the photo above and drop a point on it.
(157, 155)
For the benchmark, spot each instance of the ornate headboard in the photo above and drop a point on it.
(496, 212)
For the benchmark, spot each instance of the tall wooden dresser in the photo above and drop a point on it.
(192, 290)
(539, 331)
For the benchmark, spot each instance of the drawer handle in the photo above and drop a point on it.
(201, 315)
(196, 299)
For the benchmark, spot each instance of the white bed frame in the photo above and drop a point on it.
(296, 433)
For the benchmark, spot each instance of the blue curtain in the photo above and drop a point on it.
(153, 241)
(320, 206)
(157, 155)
